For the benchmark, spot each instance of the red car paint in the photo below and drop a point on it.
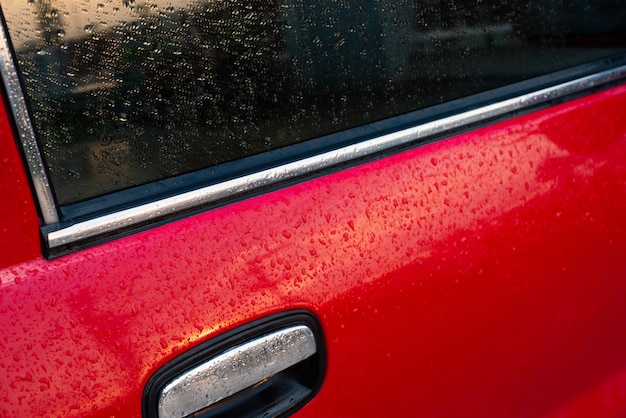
(19, 235)
(481, 275)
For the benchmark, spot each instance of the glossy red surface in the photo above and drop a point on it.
(19, 226)
(478, 276)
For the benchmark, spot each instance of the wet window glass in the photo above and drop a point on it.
(126, 92)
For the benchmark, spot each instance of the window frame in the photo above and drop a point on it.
(69, 228)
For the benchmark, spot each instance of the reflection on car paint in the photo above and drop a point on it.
(488, 265)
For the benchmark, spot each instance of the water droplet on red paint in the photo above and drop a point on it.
(26, 378)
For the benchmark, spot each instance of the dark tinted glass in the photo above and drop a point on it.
(127, 92)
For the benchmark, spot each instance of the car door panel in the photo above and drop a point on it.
(479, 275)
(20, 226)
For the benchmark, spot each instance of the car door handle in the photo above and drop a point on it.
(265, 375)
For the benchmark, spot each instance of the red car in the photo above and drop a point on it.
(328, 209)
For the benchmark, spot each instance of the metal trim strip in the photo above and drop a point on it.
(25, 130)
(169, 206)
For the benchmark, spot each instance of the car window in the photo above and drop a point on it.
(126, 93)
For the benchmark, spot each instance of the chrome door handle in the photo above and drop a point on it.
(265, 372)
(236, 370)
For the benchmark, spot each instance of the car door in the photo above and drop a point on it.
(321, 209)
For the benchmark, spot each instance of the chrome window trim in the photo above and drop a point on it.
(26, 132)
(124, 219)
